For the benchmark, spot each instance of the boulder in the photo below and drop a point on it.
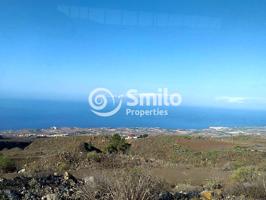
(21, 171)
(90, 181)
(166, 196)
(11, 195)
(68, 176)
(206, 195)
(50, 197)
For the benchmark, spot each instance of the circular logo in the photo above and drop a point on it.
(100, 99)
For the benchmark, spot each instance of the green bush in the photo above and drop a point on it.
(6, 164)
(93, 156)
(245, 174)
(117, 144)
(144, 136)
(63, 166)
(90, 148)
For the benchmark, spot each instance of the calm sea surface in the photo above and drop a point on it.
(43, 114)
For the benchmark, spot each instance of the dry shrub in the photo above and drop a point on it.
(248, 181)
(252, 190)
(125, 185)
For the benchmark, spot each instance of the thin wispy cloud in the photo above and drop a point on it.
(241, 100)
(232, 100)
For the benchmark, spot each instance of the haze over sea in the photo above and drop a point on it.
(37, 114)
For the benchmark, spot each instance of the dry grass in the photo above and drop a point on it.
(67, 144)
(198, 152)
(162, 146)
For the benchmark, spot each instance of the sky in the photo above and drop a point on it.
(211, 52)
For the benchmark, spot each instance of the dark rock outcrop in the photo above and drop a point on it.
(46, 187)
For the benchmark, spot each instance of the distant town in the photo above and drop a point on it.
(130, 133)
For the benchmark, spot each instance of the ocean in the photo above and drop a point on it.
(35, 114)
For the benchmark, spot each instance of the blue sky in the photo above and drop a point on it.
(212, 52)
